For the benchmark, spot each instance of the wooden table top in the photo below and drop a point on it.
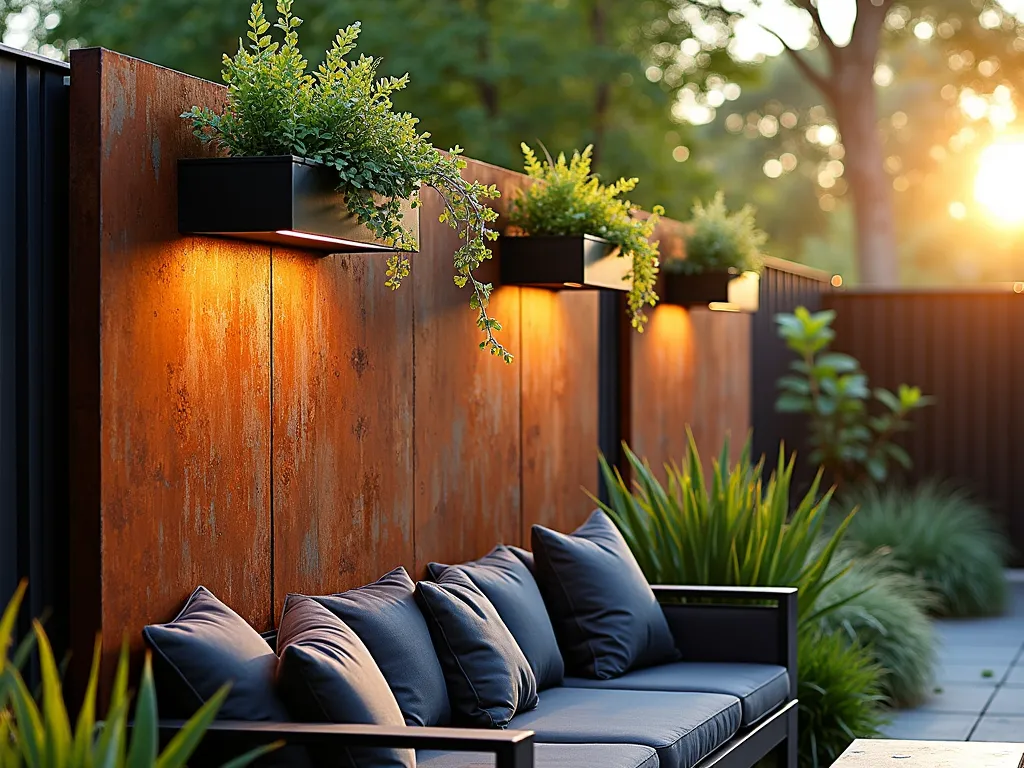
(886, 753)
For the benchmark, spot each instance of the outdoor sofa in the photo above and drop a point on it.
(561, 657)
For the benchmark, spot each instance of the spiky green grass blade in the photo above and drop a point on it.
(940, 534)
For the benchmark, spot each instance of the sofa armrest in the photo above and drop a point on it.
(733, 624)
(511, 749)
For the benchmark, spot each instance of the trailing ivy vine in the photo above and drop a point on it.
(568, 200)
(341, 116)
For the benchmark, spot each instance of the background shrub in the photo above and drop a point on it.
(840, 697)
(884, 611)
(939, 534)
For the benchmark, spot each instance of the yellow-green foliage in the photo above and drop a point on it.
(341, 115)
(567, 199)
(719, 240)
(39, 735)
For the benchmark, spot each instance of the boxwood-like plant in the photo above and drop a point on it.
(720, 241)
(340, 115)
(567, 199)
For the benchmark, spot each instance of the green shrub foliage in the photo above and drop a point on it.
(737, 531)
(850, 427)
(567, 199)
(719, 240)
(940, 534)
(40, 735)
(839, 688)
(341, 116)
(884, 610)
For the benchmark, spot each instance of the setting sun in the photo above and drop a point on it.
(1000, 176)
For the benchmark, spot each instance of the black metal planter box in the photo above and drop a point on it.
(719, 290)
(279, 200)
(571, 261)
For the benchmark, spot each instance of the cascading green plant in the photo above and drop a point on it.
(737, 531)
(39, 735)
(340, 116)
(567, 199)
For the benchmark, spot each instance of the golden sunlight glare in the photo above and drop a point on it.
(999, 185)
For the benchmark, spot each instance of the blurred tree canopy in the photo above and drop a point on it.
(485, 74)
(854, 126)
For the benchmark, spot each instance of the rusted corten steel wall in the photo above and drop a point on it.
(961, 346)
(688, 368)
(263, 420)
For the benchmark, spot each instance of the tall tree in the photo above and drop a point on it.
(841, 61)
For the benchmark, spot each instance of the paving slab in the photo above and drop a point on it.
(974, 654)
(999, 728)
(959, 698)
(1016, 676)
(930, 726)
(1007, 701)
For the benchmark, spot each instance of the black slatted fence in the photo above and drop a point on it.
(33, 335)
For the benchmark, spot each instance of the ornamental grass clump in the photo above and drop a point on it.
(839, 686)
(735, 531)
(885, 611)
(567, 199)
(718, 240)
(939, 534)
(341, 116)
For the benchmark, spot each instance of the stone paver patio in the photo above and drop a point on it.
(979, 688)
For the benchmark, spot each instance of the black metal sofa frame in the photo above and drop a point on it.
(755, 625)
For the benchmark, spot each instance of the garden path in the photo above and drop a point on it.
(979, 689)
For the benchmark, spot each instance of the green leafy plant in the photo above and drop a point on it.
(340, 116)
(721, 241)
(39, 735)
(940, 534)
(567, 199)
(885, 611)
(849, 438)
(840, 690)
(737, 531)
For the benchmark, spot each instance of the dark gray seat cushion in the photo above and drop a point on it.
(388, 621)
(510, 587)
(552, 756)
(326, 675)
(605, 614)
(682, 727)
(759, 687)
(489, 679)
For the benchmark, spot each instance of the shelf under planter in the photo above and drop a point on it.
(570, 261)
(280, 200)
(718, 290)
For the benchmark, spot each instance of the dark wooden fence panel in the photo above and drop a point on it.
(33, 336)
(962, 347)
(784, 287)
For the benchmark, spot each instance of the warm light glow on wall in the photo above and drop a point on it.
(670, 326)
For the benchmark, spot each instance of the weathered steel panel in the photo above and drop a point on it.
(182, 362)
(343, 423)
(467, 428)
(559, 406)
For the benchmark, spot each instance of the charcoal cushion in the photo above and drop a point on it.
(327, 675)
(759, 687)
(509, 585)
(386, 618)
(682, 728)
(605, 614)
(205, 646)
(489, 679)
(524, 555)
(552, 756)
